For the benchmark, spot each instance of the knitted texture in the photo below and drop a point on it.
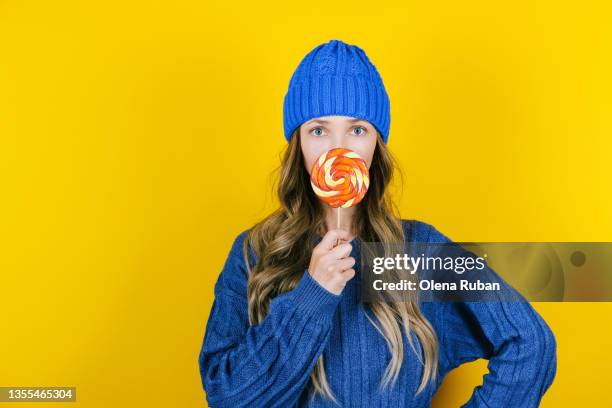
(336, 78)
(269, 364)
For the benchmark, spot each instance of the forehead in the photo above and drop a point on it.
(325, 120)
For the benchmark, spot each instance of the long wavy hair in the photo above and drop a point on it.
(283, 244)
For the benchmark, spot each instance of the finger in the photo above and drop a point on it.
(348, 274)
(340, 266)
(346, 263)
(332, 235)
(339, 241)
(341, 251)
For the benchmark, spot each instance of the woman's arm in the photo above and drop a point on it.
(518, 343)
(270, 363)
(514, 338)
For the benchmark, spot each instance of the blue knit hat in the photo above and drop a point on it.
(336, 78)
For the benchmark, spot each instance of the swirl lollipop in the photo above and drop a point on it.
(340, 178)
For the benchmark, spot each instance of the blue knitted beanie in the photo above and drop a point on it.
(336, 78)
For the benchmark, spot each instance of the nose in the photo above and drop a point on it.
(338, 139)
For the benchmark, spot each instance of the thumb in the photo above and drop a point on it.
(332, 237)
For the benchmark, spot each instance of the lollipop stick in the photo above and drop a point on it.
(337, 240)
(338, 226)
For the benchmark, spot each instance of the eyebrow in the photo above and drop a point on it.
(354, 120)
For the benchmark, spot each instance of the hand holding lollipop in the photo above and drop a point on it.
(339, 178)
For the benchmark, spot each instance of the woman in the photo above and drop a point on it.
(287, 327)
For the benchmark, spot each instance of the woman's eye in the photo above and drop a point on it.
(361, 130)
(317, 131)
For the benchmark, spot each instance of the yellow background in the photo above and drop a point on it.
(137, 139)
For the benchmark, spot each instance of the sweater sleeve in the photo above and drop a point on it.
(519, 345)
(268, 364)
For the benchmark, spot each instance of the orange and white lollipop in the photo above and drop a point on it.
(340, 178)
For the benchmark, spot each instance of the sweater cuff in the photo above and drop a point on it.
(313, 299)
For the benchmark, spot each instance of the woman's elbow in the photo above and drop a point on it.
(207, 368)
(217, 383)
(544, 345)
(550, 362)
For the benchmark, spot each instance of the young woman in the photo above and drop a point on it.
(287, 327)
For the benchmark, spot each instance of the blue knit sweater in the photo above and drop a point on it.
(269, 364)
